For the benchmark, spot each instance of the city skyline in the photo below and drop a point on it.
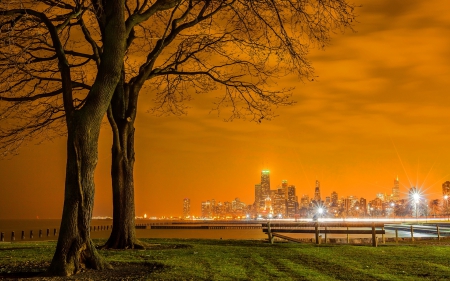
(377, 108)
(264, 193)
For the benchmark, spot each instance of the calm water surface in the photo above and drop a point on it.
(7, 226)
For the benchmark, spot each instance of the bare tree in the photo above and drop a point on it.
(238, 46)
(36, 60)
(172, 46)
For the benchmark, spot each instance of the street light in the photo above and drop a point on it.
(416, 197)
(320, 211)
(446, 205)
(393, 209)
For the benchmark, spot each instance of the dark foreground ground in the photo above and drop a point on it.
(179, 259)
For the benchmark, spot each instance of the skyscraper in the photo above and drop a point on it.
(363, 205)
(396, 190)
(206, 209)
(257, 203)
(284, 186)
(317, 192)
(265, 183)
(291, 202)
(304, 202)
(262, 191)
(334, 199)
(186, 208)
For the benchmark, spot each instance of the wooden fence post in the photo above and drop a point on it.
(396, 236)
(383, 237)
(438, 233)
(348, 237)
(412, 233)
(374, 236)
(316, 226)
(326, 230)
(269, 233)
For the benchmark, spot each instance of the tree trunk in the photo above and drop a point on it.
(121, 115)
(123, 235)
(75, 249)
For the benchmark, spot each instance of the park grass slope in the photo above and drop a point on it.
(179, 259)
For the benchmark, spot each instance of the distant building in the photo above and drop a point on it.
(265, 184)
(279, 201)
(262, 191)
(284, 187)
(258, 195)
(317, 197)
(291, 202)
(376, 207)
(363, 205)
(347, 205)
(207, 209)
(382, 196)
(334, 199)
(237, 206)
(186, 208)
(304, 202)
(396, 190)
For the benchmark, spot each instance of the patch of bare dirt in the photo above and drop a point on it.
(120, 271)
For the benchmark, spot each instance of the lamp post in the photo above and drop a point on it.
(446, 205)
(393, 209)
(416, 197)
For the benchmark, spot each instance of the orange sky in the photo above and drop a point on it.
(378, 109)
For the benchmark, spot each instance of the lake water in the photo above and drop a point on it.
(101, 230)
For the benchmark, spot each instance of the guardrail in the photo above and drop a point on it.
(48, 233)
(274, 229)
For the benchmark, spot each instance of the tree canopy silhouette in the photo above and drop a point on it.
(54, 55)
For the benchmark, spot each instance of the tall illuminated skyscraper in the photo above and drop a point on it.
(284, 186)
(186, 208)
(265, 183)
(262, 191)
(317, 192)
(291, 202)
(396, 190)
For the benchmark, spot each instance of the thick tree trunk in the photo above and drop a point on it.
(123, 235)
(75, 249)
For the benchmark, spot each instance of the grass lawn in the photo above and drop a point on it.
(179, 259)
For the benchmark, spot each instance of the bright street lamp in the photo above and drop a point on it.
(393, 209)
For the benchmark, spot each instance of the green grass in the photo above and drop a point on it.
(258, 260)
